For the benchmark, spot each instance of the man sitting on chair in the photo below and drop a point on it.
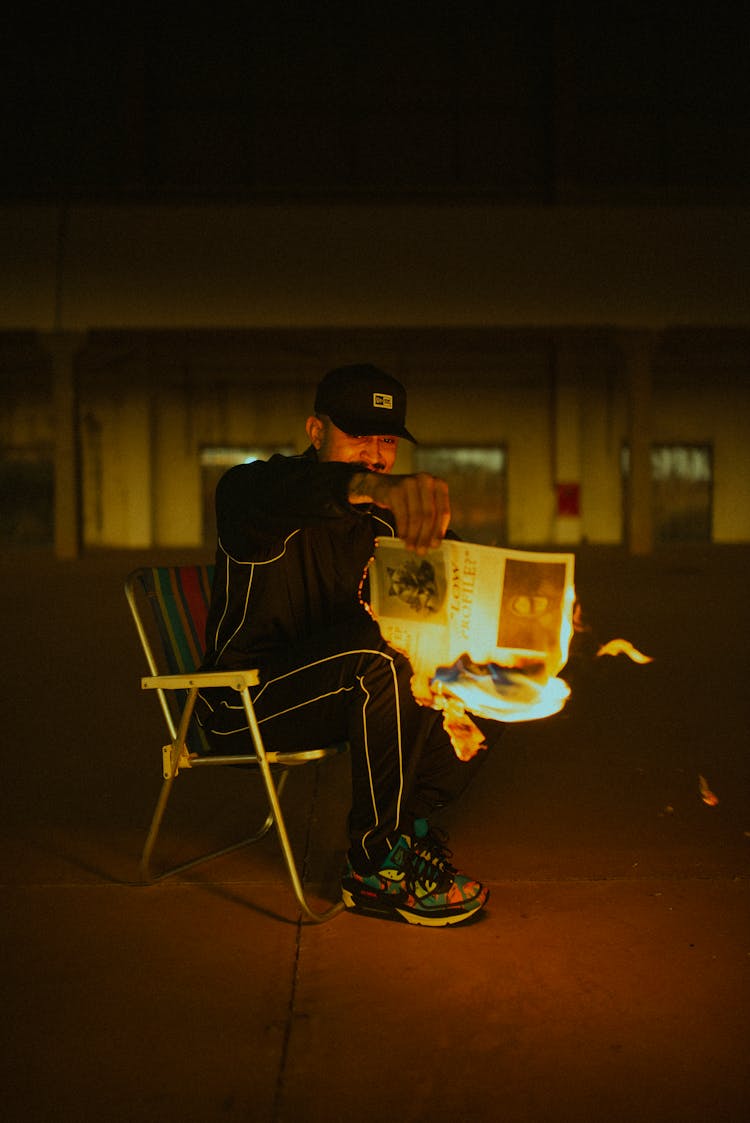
(295, 536)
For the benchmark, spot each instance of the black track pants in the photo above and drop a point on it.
(403, 764)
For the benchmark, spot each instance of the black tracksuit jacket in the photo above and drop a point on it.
(291, 558)
(287, 599)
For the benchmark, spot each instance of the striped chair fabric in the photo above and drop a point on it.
(179, 597)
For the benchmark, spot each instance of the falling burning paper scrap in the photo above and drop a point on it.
(623, 647)
(467, 739)
(486, 630)
(707, 795)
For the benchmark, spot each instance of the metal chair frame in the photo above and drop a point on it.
(183, 651)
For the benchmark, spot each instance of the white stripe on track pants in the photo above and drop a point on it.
(403, 764)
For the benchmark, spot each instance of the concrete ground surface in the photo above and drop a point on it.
(608, 979)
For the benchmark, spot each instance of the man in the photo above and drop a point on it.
(295, 536)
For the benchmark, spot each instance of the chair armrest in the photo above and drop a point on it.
(237, 680)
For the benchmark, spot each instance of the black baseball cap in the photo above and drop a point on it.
(364, 401)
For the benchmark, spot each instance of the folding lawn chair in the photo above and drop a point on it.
(178, 597)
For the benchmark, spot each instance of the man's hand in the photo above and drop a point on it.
(419, 503)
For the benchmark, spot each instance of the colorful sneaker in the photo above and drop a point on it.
(416, 883)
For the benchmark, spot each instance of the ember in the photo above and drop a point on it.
(623, 647)
(707, 795)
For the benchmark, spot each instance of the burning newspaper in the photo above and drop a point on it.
(486, 630)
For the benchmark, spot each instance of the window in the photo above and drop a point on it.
(681, 491)
(26, 496)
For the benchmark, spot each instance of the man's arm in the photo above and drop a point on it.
(259, 504)
(419, 503)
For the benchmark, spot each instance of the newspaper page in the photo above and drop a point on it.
(488, 627)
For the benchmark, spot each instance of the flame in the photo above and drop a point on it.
(522, 698)
(467, 739)
(568, 626)
(707, 795)
(624, 647)
(512, 694)
(508, 685)
(482, 678)
(521, 686)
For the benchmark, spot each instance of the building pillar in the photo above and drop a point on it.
(62, 348)
(638, 350)
(566, 445)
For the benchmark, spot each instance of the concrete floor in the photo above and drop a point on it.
(608, 979)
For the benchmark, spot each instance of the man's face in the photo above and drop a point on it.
(377, 454)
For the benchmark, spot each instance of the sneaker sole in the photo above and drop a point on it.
(394, 912)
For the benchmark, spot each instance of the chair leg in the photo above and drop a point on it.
(146, 874)
(278, 819)
(291, 865)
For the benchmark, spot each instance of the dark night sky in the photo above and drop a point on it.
(473, 100)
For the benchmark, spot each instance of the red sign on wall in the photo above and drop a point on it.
(569, 500)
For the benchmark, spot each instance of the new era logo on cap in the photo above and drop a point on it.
(363, 401)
